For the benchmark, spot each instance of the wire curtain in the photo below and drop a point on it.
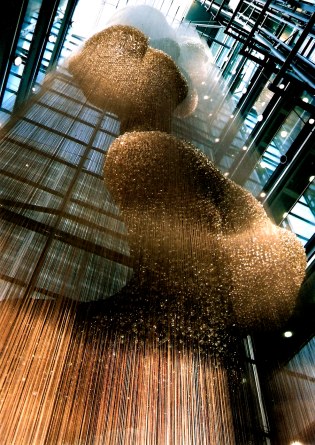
(75, 371)
(116, 328)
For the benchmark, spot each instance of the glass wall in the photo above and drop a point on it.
(30, 28)
(276, 151)
(23, 46)
(301, 217)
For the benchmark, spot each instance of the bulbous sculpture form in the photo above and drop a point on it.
(194, 233)
(199, 234)
(124, 75)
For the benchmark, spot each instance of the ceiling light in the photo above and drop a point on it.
(305, 99)
(17, 61)
(262, 194)
(288, 334)
(283, 133)
(217, 140)
(311, 121)
(206, 97)
(281, 86)
(311, 178)
(260, 118)
(245, 147)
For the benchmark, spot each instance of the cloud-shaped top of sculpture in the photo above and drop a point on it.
(118, 71)
(198, 235)
(146, 18)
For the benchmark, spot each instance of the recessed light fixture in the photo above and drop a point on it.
(288, 334)
(311, 121)
(283, 133)
(260, 118)
(262, 194)
(305, 99)
(217, 140)
(245, 147)
(18, 61)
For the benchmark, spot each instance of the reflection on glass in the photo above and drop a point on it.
(238, 145)
(50, 44)
(244, 79)
(301, 218)
(217, 47)
(275, 153)
(292, 387)
(232, 68)
(22, 49)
